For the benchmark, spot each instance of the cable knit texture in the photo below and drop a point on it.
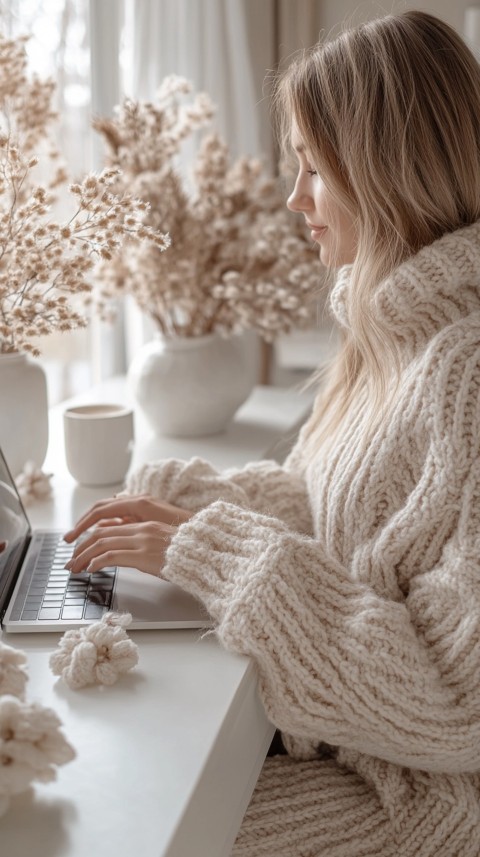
(353, 581)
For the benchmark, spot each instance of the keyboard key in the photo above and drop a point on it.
(49, 613)
(74, 600)
(76, 590)
(98, 597)
(94, 611)
(29, 614)
(101, 586)
(69, 612)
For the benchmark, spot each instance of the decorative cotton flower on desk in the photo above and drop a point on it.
(96, 654)
(13, 673)
(33, 484)
(31, 745)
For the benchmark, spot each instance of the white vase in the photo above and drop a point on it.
(188, 387)
(23, 411)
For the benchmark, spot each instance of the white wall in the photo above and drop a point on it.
(335, 12)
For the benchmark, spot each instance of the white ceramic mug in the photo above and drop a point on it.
(98, 443)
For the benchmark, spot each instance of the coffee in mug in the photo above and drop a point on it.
(98, 443)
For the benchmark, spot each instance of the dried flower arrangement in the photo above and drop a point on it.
(238, 259)
(46, 265)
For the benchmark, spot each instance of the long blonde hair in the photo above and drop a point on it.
(390, 115)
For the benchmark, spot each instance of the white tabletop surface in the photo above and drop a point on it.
(168, 757)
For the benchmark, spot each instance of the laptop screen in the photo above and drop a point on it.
(14, 530)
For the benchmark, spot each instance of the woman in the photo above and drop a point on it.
(351, 575)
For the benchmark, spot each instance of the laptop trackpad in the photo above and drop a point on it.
(156, 603)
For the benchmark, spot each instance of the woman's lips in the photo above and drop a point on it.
(317, 231)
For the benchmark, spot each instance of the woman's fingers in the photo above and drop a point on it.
(134, 508)
(128, 558)
(81, 554)
(139, 545)
(104, 509)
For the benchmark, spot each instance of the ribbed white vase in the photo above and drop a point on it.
(188, 387)
(23, 411)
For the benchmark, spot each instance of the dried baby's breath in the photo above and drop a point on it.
(46, 265)
(238, 258)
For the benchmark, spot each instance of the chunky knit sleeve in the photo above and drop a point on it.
(396, 677)
(263, 486)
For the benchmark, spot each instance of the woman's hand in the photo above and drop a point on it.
(129, 531)
(137, 545)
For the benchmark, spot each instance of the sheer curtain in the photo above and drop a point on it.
(206, 42)
(106, 21)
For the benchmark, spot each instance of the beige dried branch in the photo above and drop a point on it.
(47, 266)
(238, 259)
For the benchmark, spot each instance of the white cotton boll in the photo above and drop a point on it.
(96, 654)
(31, 745)
(13, 673)
(33, 484)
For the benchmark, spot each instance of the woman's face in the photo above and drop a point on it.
(332, 228)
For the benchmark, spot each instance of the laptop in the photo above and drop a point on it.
(37, 593)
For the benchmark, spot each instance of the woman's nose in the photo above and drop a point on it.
(299, 200)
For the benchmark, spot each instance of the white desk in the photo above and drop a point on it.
(169, 756)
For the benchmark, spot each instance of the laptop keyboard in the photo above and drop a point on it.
(54, 593)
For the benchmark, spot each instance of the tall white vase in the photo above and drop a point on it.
(188, 387)
(23, 411)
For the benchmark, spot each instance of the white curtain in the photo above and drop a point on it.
(207, 42)
(105, 25)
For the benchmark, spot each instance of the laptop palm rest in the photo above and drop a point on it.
(156, 603)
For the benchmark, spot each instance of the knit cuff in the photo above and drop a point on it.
(216, 554)
(190, 484)
(262, 486)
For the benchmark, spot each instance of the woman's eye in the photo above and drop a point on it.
(312, 172)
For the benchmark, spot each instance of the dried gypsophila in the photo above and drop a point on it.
(25, 101)
(44, 264)
(238, 260)
(47, 266)
(144, 136)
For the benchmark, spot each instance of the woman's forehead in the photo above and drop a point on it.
(296, 139)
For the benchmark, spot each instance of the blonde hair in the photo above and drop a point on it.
(389, 112)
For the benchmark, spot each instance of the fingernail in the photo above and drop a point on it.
(68, 564)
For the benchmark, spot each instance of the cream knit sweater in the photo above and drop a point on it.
(354, 583)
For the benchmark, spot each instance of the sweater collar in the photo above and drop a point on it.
(429, 291)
